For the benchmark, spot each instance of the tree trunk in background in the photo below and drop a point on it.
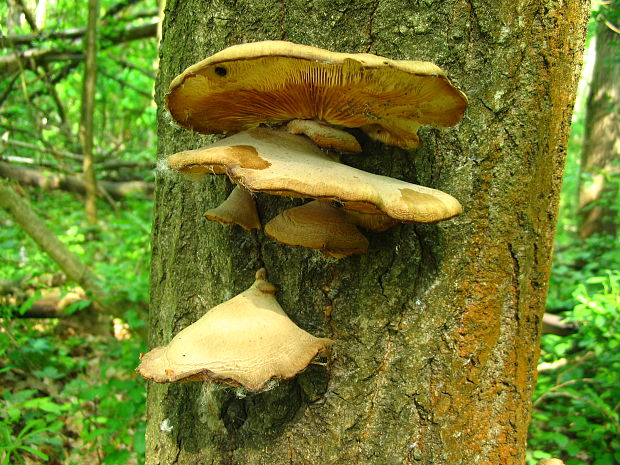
(601, 147)
(437, 327)
(88, 111)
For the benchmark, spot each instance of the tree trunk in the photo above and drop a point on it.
(88, 112)
(437, 327)
(601, 147)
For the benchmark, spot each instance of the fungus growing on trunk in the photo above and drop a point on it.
(325, 136)
(278, 163)
(239, 208)
(275, 82)
(245, 341)
(376, 223)
(318, 225)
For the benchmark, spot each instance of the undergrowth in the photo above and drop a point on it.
(69, 391)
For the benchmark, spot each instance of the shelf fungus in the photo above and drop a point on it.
(274, 82)
(325, 136)
(239, 208)
(317, 225)
(245, 341)
(278, 163)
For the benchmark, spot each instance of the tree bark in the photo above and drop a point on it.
(88, 112)
(437, 327)
(601, 147)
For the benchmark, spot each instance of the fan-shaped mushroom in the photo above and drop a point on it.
(245, 341)
(279, 163)
(318, 225)
(238, 208)
(274, 82)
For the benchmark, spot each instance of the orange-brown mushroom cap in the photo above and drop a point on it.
(238, 208)
(275, 81)
(245, 341)
(318, 225)
(278, 163)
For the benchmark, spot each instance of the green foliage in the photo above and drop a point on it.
(69, 400)
(120, 256)
(77, 398)
(41, 107)
(66, 398)
(577, 404)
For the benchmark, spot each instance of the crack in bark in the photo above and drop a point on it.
(372, 401)
(373, 11)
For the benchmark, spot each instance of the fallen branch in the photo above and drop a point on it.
(75, 270)
(31, 177)
(553, 324)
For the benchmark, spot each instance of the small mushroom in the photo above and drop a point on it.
(275, 82)
(239, 208)
(278, 163)
(245, 341)
(325, 136)
(370, 222)
(318, 225)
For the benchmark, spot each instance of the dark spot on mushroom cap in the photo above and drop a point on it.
(220, 71)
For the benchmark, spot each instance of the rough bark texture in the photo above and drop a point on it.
(437, 326)
(601, 145)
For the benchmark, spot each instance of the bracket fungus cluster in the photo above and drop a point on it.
(308, 97)
(285, 109)
(245, 341)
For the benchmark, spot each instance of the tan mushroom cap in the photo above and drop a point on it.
(318, 225)
(550, 462)
(275, 81)
(325, 136)
(238, 208)
(278, 163)
(377, 223)
(245, 341)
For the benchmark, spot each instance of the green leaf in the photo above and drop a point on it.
(34, 452)
(118, 457)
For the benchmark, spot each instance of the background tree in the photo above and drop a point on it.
(88, 111)
(437, 327)
(601, 146)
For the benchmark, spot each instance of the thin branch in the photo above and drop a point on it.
(557, 387)
(9, 88)
(27, 14)
(127, 64)
(32, 58)
(117, 8)
(126, 84)
(47, 149)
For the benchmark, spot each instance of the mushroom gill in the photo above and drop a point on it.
(275, 81)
